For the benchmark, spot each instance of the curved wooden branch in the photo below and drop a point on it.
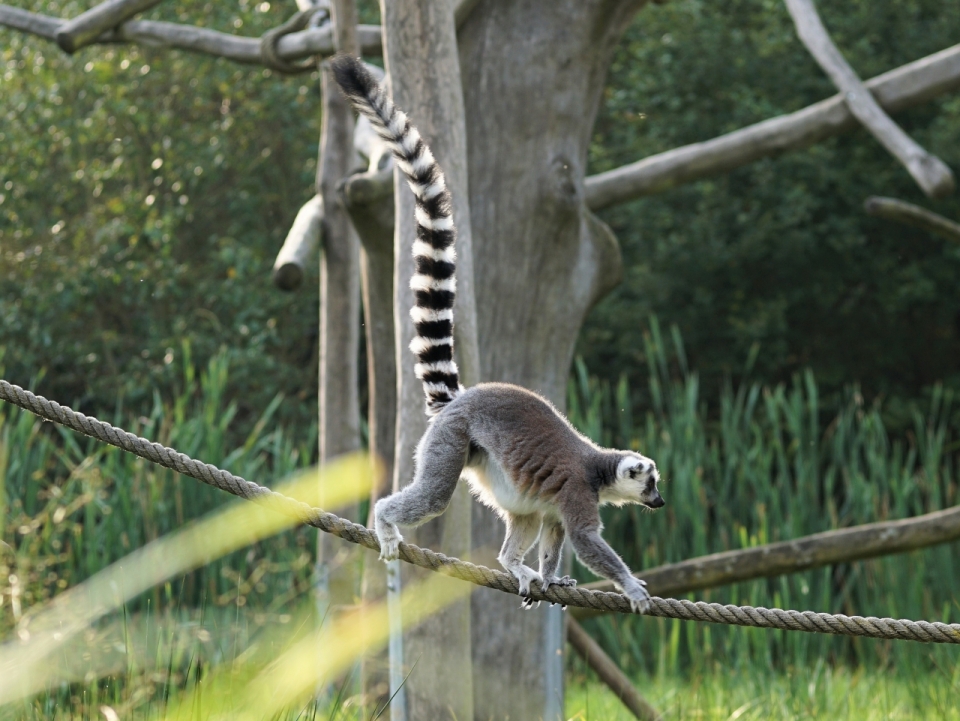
(88, 26)
(608, 672)
(820, 549)
(931, 173)
(155, 33)
(910, 214)
(895, 90)
(303, 238)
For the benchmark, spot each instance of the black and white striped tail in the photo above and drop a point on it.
(434, 283)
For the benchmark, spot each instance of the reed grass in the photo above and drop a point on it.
(754, 465)
(760, 465)
(74, 505)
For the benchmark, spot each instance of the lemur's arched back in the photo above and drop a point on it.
(434, 284)
(519, 454)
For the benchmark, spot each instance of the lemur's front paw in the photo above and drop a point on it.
(526, 576)
(389, 538)
(565, 582)
(636, 591)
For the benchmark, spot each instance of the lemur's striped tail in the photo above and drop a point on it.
(433, 283)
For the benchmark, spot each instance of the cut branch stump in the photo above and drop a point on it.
(302, 240)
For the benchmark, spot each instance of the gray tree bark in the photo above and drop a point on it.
(533, 73)
(420, 50)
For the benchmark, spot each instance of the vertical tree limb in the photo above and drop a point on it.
(420, 50)
(931, 173)
(608, 672)
(372, 215)
(339, 305)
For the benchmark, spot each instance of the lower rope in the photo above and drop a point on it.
(757, 617)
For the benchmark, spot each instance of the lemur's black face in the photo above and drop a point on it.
(640, 475)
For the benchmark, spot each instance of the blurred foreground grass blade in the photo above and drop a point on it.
(26, 664)
(258, 688)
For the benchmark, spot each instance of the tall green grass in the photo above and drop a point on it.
(752, 466)
(763, 464)
(72, 505)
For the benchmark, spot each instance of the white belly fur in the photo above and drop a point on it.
(492, 487)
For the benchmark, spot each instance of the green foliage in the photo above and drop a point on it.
(768, 470)
(778, 253)
(143, 196)
(818, 691)
(74, 505)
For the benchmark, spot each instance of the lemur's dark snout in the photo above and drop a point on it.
(658, 502)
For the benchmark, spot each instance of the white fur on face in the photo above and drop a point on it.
(634, 466)
(636, 482)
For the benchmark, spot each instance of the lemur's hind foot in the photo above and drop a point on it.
(564, 582)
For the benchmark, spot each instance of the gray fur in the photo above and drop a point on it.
(522, 458)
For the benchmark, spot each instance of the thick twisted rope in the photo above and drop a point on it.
(758, 617)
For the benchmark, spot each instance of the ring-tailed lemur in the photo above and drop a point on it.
(520, 456)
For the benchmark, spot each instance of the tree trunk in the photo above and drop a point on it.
(533, 73)
(421, 58)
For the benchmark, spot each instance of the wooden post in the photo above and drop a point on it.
(339, 312)
(370, 205)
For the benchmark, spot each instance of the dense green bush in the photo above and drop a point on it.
(107, 263)
(778, 253)
(144, 195)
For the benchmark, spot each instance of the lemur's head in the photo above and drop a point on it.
(636, 482)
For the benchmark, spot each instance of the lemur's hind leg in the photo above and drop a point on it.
(522, 533)
(551, 547)
(440, 457)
